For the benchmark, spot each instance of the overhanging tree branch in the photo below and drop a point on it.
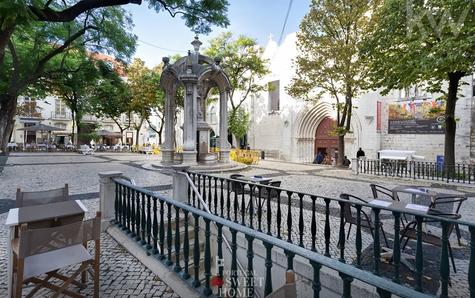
(69, 14)
(41, 64)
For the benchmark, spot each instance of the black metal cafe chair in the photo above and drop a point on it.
(366, 221)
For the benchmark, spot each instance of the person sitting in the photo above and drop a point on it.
(318, 158)
(346, 162)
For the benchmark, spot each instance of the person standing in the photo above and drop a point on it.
(360, 153)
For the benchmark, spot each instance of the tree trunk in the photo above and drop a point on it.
(8, 104)
(73, 131)
(160, 133)
(122, 135)
(341, 150)
(137, 131)
(450, 124)
(78, 128)
(5, 35)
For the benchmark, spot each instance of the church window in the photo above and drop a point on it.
(274, 96)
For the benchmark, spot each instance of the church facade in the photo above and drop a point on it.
(290, 129)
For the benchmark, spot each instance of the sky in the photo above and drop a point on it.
(161, 35)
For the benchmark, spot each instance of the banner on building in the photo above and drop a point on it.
(417, 117)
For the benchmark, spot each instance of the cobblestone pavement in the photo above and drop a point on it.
(330, 182)
(121, 274)
(35, 171)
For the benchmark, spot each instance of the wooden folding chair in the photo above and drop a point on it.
(41, 252)
(31, 198)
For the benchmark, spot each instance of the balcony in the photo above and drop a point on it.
(89, 118)
(60, 116)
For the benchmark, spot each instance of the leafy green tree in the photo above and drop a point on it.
(329, 62)
(424, 42)
(73, 87)
(48, 28)
(110, 97)
(197, 14)
(158, 109)
(243, 61)
(40, 50)
(238, 122)
(146, 97)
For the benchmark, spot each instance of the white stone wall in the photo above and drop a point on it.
(278, 133)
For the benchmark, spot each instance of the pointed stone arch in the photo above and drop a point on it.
(306, 125)
(307, 122)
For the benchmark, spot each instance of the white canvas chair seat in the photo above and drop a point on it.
(53, 260)
(44, 251)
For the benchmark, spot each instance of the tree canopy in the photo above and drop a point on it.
(110, 97)
(243, 61)
(329, 62)
(426, 43)
(50, 27)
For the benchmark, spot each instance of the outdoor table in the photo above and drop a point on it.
(30, 214)
(41, 146)
(255, 179)
(420, 191)
(402, 207)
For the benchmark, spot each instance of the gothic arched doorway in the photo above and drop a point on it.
(325, 142)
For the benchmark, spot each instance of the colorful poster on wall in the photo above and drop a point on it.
(417, 117)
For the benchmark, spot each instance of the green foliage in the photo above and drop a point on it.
(110, 97)
(198, 15)
(329, 62)
(238, 121)
(40, 49)
(424, 43)
(421, 42)
(143, 83)
(14, 11)
(243, 62)
(74, 84)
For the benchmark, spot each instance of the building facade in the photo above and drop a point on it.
(53, 112)
(290, 129)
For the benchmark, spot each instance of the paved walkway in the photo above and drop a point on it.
(125, 276)
(121, 274)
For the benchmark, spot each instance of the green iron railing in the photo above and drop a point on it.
(141, 214)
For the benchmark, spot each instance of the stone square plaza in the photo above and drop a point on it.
(127, 271)
(237, 148)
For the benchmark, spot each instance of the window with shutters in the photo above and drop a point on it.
(59, 107)
(378, 116)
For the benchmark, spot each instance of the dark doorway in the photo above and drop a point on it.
(325, 141)
(30, 135)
